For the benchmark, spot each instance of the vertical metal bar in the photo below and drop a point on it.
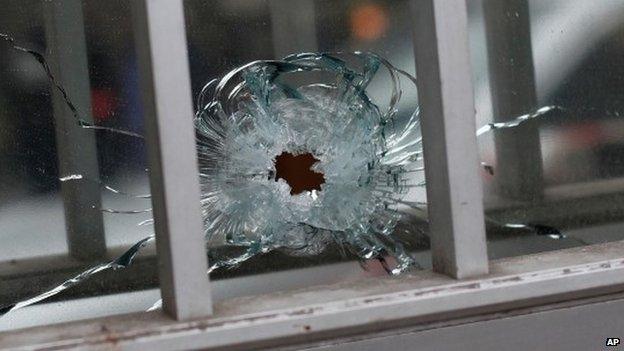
(160, 37)
(293, 26)
(512, 83)
(454, 189)
(76, 147)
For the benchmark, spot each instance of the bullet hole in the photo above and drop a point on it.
(295, 170)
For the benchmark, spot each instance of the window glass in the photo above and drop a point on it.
(75, 188)
(559, 172)
(73, 183)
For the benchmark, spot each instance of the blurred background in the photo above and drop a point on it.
(564, 169)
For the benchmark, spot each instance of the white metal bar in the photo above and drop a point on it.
(512, 85)
(293, 27)
(454, 190)
(76, 147)
(364, 306)
(165, 84)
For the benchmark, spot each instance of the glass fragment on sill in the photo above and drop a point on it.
(259, 134)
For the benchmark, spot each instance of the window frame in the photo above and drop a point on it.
(366, 306)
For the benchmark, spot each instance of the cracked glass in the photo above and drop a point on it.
(74, 190)
(554, 180)
(308, 142)
(283, 186)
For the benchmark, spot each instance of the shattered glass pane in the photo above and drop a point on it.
(308, 138)
(380, 156)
